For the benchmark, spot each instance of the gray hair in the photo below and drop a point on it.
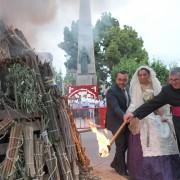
(175, 71)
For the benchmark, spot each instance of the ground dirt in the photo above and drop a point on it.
(107, 174)
(101, 166)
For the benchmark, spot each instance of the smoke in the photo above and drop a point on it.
(37, 17)
(31, 15)
(32, 11)
(96, 5)
(28, 15)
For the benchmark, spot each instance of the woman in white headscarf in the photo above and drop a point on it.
(152, 152)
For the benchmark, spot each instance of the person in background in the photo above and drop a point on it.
(91, 105)
(117, 103)
(85, 106)
(102, 102)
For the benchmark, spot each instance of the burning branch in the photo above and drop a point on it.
(103, 142)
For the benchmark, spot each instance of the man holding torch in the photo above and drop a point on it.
(117, 104)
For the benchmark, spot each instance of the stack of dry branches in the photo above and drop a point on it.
(51, 150)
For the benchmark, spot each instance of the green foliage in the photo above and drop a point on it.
(116, 48)
(130, 65)
(112, 44)
(69, 79)
(23, 81)
(105, 23)
(58, 79)
(112, 55)
(116, 44)
(70, 45)
(161, 70)
(126, 44)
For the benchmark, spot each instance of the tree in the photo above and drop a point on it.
(112, 44)
(59, 80)
(161, 70)
(69, 80)
(130, 65)
(70, 45)
(104, 24)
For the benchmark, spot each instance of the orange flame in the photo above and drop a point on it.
(103, 141)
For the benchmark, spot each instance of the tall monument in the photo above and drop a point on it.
(86, 71)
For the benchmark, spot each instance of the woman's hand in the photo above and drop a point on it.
(134, 126)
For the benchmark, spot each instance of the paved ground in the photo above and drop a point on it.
(100, 165)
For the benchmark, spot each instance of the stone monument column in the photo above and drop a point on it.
(86, 71)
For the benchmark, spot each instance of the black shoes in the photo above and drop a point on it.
(120, 172)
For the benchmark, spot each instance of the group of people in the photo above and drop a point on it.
(151, 137)
(86, 102)
(86, 107)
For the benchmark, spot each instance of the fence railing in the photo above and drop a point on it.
(82, 117)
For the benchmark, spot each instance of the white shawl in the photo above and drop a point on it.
(157, 137)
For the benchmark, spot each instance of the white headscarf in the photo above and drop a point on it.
(156, 137)
(135, 89)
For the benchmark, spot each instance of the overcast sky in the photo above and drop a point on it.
(156, 21)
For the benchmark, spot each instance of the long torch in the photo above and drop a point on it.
(104, 152)
(120, 130)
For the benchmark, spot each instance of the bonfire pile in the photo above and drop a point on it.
(38, 137)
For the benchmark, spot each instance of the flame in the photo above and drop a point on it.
(103, 141)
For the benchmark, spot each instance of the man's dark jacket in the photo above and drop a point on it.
(116, 107)
(168, 95)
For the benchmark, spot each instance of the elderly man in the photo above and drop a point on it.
(170, 94)
(117, 104)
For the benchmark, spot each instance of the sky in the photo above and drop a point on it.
(156, 21)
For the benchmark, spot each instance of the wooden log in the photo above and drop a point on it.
(71, 136)
(63, 161)
(5, 124)
(75, 170)
(4, 49)
(29, 149)
(65, 147)
(51, 162)
(82, 158)
(15, 114)
(53, 128)
(15, 143)
(64, 122)
(57, 138)
(50, 158)
(38, 157)
(65, 126)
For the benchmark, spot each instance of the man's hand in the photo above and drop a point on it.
(128, 117)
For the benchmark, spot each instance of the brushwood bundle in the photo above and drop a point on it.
(38, 136)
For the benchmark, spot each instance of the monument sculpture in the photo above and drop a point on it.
(84, 61)
(86, 71)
